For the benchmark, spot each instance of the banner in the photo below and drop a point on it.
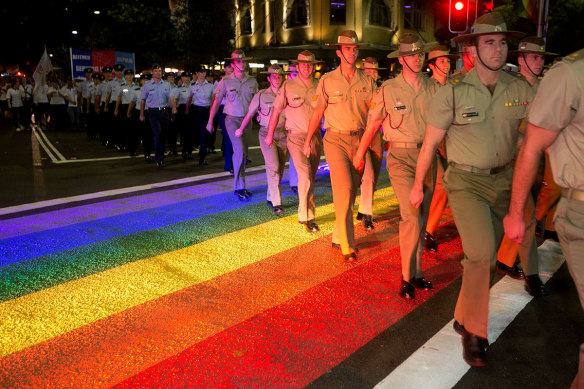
(96, 59)
(42, 68)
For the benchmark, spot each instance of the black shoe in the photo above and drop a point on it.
(278, 210)
(338, 246)
(311, 226)
(407, 291)
(367, 222)
(460, 330)
(421, 283)
(203, 163)
(473, 350)
(294, 189)
(535, 287)
(430, 242)
(359, 216)
(160, 164)
(248, 193)
(247, 161)
(241, 194)
(513, 272)
(352, 257)
(147, 159)
(270, 204)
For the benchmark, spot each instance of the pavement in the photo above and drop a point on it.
(116, 273)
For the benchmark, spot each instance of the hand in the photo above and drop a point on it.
(174, 110)
(514, 227)
(416, 195)
(105, 108)
(269, 139)
(239, 132)
(210, 127)
(116, 112)
(306, 149)
(358, 163)
(142, 118)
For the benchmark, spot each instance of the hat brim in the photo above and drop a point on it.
(373, 68)
(424, 49)
(345, 44)
(449, 56)
(239, 59)
(515, 53)
(304, 61)
(465, 38)
(280, 72)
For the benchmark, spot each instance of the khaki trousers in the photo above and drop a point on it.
(478, 203)
(232, 123)
(306, 169)
(371, 174)
(548, 197)
(275, 160)
(401, 167)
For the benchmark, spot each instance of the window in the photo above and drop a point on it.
(296, 13)
(379, 13)
(414, 14)
(245, 21)
(338, 12)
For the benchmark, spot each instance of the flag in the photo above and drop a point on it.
(527, 9)
(42, 68)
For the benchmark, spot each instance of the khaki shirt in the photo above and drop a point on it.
(346, 103)
(295, 99)
(482, 129)
(559, 106)
(535, 84)
(238, 94)
(263, 104)
(403, 111)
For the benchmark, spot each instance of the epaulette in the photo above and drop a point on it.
(516, 74)
(578, 55)
(454, 80)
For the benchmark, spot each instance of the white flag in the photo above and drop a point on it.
(43, 68)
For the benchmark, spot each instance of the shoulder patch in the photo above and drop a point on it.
(454, 81)
(578, 55)
(315, 97)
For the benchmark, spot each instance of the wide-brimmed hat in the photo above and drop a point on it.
(488, 24)
(346, 38)
(238, 55)
(411, 44)
(441, 51)
(371, 63)
(531, 45)
(275, 69)
(305, 57)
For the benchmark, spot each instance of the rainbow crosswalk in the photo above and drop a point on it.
(189, 287)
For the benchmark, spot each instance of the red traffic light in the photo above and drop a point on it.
(458, 16)
(488, 6)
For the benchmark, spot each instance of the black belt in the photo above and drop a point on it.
(351, 133)
(157, 108)
(472, 169)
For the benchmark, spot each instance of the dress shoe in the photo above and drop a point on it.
(247, 193)
(160, 164)
(473, 351)
(351, 257)
(241, 194)
(407, 291)
(513, 272)
(338, 247)
(278, 210)
(311, 226)
(421, 283)
(368, 222)
(270, 204)
(203, 163)
(430, 242)
(460, 330)
(535, 287)
(294, 189)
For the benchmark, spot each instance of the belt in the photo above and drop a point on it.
(351, 133)
(472, 169)
(404, 145)
(573, 194)
(158, 108)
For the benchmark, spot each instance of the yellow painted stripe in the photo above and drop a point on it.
(54, 311)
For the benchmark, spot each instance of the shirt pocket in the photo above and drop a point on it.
(364, 94)
(247, 92)
(337, 97)
(232, 95)
(468, 116)
(295, 101)
(515, 112)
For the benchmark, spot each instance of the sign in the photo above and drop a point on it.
(96, 59)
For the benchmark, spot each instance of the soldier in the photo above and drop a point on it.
(226, 146)
(82, 93)
(123, 113)
(294, 102)
(401, 105)
(556, 124)
(140, 129)
(292, 173)
(101, 121)
(439, 62)
(198, 103)
(154, 96)
(239, 89)
(89, 108)
(181, 94)
(113, 89)
(173, 130)
(343, 96)
(482, 112)
(274, 157)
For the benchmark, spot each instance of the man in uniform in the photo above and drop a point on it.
(343, 96)
(155, 96)
(292, 173)
(113, 89)
(100, 95)
(198, 103)
(82, 93)
(556, 124)
(481, 112)
(181, 94)
(401, 105)
(239, 89)
(295, 102)
(123, 113)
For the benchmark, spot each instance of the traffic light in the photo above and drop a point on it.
(458, 16)
(487, 6)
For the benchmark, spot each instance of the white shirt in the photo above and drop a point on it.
(15, 96)
(56, 99)
(201, 94)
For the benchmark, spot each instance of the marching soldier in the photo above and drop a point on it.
(181, 94)
(198, 103)
(123, 113)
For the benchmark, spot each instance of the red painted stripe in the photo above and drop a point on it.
(296, 342)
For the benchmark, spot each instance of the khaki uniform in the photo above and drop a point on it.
(559, 106)
(480, 143)
(404, 113)
(238, 96)
(295, 99)
(346, 106)
(275, 156)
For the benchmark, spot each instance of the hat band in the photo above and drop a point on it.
(531, 47)
(408, 47)
(488, 28)
(347, 41)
